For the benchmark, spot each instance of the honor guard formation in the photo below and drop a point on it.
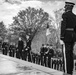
(43, 58)
(46, 57)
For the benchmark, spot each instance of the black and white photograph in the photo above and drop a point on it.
(37, 37)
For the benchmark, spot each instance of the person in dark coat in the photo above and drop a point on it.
(29, 53)
(33, 57)
(37, 58)
(5, 48)
(10, 50)
(20, 47)
(46, 50)
(68, 34)
(25, 54)
(50, 54)
(13, 49)
(42, 54)
(17, 53)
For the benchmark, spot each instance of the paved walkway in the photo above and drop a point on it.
(13, 66)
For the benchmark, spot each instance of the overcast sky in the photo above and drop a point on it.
(9, 10)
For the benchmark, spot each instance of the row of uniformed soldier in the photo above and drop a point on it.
(12, 49)
(8, 49)
(46, 53)
(35, 58)
(5, 48)
(57, 63)
(25, 54)
(44, 58)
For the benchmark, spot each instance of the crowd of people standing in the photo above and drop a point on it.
(46, 53)
(23, 52)
(19, 51)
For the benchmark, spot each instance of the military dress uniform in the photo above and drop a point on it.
(10, 50)
(68, 35)
(50, 54)
(13, 50)
(33, 57)
(25, 53)
(46, 50)
(37, 58)
(17, 53)
(5, 48)
(42, 55)
(20, 47)
(29, 53)
(38, 55)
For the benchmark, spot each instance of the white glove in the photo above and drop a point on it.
(61, 42)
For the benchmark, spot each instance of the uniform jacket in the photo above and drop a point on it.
(20, 45)
(51, 52)
(4, 45)
(42, 51)
(69, 22)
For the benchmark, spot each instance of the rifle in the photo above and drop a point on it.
(64, 56)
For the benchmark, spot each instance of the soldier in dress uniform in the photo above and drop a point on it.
(17, 52)
(33, 57)
(68, 35)
(10, 50)
(42, 54)
(37, 58)
(13, 50)
(5, 48)
(25, 53)
(20, 47)
(61, 64)
(46, 50)
(50, 54)
(29, 53)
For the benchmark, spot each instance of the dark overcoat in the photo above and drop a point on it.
(68, 27)
(20, 45)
